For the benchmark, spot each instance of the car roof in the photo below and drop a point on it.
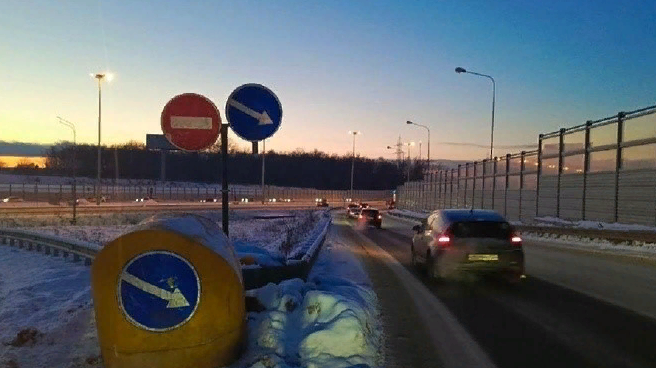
(455, 215)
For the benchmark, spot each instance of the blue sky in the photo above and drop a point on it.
(335, 65)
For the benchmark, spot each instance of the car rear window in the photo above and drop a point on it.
(481, 229)
(370, 213)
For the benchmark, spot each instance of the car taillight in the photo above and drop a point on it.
(380, 217)
(443, 239)
(516, 240)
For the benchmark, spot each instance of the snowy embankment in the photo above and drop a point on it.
(330, 321)
(46, 314)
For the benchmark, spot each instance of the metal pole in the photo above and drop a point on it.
(494, 94)
(99, 158)
(353, 165)
(224, 178)
(263, 155)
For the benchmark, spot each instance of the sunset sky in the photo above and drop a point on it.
(335, 65)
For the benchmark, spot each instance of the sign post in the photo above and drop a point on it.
(192, 122)
(254, 113)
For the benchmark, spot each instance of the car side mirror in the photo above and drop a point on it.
(416, 228)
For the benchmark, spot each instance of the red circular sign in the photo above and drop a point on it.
(191, 122)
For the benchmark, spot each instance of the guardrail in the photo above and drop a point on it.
(50, 245)
(254, 276)
(257, 276)
(616, 236)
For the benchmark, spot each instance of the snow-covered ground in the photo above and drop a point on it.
(554, 221)
(46, 316)
(330, 321)
(47, 301)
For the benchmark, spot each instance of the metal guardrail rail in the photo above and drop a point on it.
(50, 245)
(253, 276)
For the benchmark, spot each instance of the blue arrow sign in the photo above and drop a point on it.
(254, 112)
(158, 291)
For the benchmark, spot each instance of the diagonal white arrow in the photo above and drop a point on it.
(263, 118)
(175, 297)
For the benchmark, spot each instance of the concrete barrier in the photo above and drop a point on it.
(169, 294)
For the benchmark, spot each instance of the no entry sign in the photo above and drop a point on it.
(191, 122)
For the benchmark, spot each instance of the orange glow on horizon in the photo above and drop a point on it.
(12, 161)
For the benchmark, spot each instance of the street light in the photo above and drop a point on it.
(428, 131)
(72, 127)
(494, 92)
(100, 77)
(353, 133)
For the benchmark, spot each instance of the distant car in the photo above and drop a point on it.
(371, 216)
(354, 212)
(12, 199)
(103, 199)
(391, 205)
(323, 202)
(364, 205)
(453, 241)
(351, 206)
(209, 200)
(140, 199)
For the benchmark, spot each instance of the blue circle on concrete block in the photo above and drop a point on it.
(158, 291)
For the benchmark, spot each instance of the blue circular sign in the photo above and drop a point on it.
(158, 291)
(254, 112)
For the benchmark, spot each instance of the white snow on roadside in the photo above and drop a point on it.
(408, 213)
(634, 248)
(593, 224)
(330, 321)
(51, 295)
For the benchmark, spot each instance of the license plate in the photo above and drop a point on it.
(483, 257)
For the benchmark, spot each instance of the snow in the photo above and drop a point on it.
(53, 296)
(628, 247)
(408, 213)
(330, 321)
(592, 224)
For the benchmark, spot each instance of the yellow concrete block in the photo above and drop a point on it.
(165, 297)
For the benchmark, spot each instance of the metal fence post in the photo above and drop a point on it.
(618, 163)
(586, 166)
(10, 190)
(521, 183)
(458, 188)
(474, 185)
(561, 143)
(494, 180)
(466, 184)
(505, 192)
(483, 183)
(451, 189)
(537, 180)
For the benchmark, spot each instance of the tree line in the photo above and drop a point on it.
(314, 169)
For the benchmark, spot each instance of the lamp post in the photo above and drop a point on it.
(419, 150)
(100, 77)
(353, 133)
(428, 132)
(494, 92)
(72, 127)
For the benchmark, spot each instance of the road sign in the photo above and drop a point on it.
(191, 122)
(254, 112)
(158, 291)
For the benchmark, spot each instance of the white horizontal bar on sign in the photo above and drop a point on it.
(191, 122)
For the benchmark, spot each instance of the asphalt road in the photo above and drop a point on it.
(575, 309)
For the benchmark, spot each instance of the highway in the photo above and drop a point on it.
(575, 309)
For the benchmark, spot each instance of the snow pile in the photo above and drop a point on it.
(46, 318)
(330, 321)
(541, 221)
(628, 247)
(408, 213)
